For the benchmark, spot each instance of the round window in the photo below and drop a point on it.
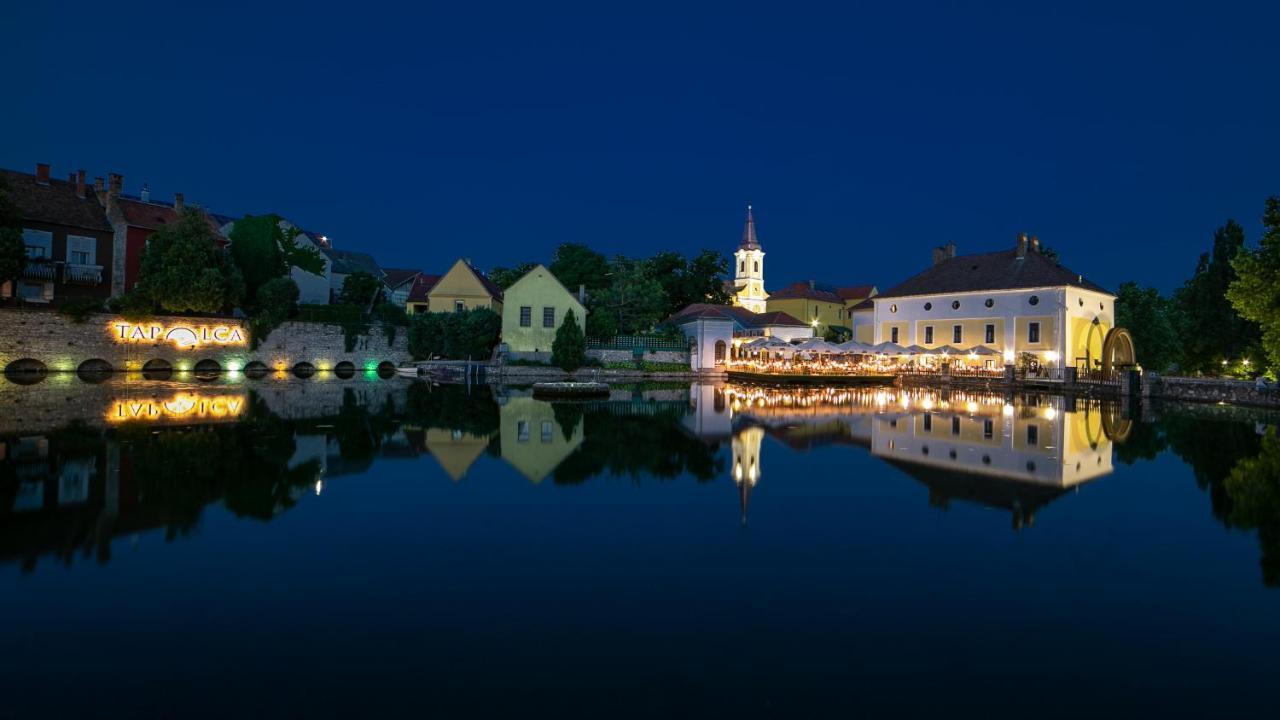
(928, 306)
(990, 302)
(955, 304)
(893, 308)
(1035, 300)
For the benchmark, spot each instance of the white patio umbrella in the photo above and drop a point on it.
(982, 350)
(818, 345)
(889, 348)
(853, 346)
(948, 350)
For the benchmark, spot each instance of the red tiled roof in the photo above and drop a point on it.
(145, 214)
(55, 203)
(739, 315)
(422, 285)
(807, 291)
(854, 292)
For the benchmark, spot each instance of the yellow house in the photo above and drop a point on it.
(455, 450)
(533, 310)
(462, 288)
(532, 441)
(819, 306)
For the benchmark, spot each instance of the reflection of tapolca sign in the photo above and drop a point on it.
(183, 336)
(183, 406)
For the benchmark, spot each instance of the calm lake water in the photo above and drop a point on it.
(326, 547)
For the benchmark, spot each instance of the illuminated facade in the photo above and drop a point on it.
(748, 277)
(1017, 302)
(180, 335)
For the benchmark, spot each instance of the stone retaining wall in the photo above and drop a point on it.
(1209, 390)
(62, 345)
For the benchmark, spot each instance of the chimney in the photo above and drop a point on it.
(939, 254)
(1035, 244)
(115, 183)
(146, 193)
(582, 294)
(950, 249)
(42, 173)
(1022, 245)
(99, 185)
(80, 184)
(177, 202)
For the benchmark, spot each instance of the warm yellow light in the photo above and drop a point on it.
(1050, 413)
(971, 406)
(1007, 410)
(1008, 356)
(927, 404)
(1051, 355)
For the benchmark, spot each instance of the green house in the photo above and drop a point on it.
(533, 309)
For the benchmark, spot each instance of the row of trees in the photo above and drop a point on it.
(1225, 319)
(628, 295)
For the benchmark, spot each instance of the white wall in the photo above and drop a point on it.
(705, 333)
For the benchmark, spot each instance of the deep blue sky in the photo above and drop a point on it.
(1121, 136)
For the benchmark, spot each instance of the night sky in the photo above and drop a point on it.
(1121, 136)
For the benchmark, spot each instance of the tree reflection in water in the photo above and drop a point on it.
(71, 490)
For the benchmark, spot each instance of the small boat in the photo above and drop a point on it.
(412, 371)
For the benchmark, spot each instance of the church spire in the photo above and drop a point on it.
(749, 241)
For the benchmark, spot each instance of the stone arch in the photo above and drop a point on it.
(1118, 353)
(157, 369)
(304, 370)
(95, 370)
(345, 369)
(386, 369)
(27, 371)
(256, 370)
(207, 369)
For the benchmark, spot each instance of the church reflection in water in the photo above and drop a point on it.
(133, 462)
(1013, 453)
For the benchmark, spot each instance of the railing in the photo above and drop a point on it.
(73, 274)
(646, 342)
(40, 271)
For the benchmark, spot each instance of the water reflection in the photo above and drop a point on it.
(134, 458)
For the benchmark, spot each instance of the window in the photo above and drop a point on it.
(893, 308)
(1033, 435)
(547, 427)
(742, 266)
(928, 306)
(957, 333)
(459, 306)
(990, 302)
(815, 311)
(988, 428)
(893, 335)
(757, 265)
(82, 250)
(38, 292)
(548, 317)
(955, 425)
(526, 316)
(928, 422)
(39, 243)
(991, 333)
(955, 304)
(928, 334)
(1035, 300)
(1033, 332)
(522, 431)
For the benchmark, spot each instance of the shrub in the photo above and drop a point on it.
(570, 346)
(79, 309)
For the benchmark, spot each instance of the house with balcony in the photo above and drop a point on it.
(69, 240)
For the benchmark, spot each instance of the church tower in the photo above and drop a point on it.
(746, 465)
(748, 278)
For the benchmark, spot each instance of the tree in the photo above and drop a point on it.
(1211, 328)
(183, 270)
(569, 349)
(686, 281)
(635, 297)
(265, 247)
(1254, 489)
(1147, 316)
(1255, 291)
(460, 335)
(362, 289)
(13, 251)
(575, 265)
(277, 301)
(506, 277)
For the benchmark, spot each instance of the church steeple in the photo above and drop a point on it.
(749, 241)
(748, 278)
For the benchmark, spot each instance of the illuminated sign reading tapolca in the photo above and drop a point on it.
(183, 406)
(181, 335)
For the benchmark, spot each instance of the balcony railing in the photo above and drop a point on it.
(64, 272)
(73, 274)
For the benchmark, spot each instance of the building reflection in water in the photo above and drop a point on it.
(1017, 454)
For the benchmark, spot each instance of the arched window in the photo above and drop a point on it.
(720, 351)
(742, 266)
(757, 264)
